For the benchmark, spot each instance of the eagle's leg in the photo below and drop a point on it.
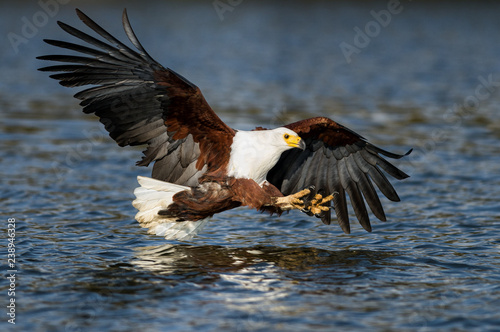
(316, 205)
(291, 202)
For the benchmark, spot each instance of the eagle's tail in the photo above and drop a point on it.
(155, 195)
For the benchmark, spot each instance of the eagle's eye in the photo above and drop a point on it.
(286, 136)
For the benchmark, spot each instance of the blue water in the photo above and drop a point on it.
(84, 264)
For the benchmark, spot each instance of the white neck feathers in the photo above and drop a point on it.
(254, 154)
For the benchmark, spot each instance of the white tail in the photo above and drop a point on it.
(155, 195)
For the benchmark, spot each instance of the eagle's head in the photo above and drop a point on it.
(254, 153)
(285, 139)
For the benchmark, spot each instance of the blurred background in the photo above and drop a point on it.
(404, 74)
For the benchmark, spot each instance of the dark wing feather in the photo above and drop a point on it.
(337, 160)
(141, 102)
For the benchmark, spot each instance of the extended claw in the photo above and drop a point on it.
(300, 194)
(293, 201)
(317, 202)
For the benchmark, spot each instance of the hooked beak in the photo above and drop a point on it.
(296, 142)
(302, 145)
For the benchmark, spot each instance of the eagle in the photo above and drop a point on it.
(201, 165)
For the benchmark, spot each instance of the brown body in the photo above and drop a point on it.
(215, 195)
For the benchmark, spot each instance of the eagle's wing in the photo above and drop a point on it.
(141, 102)
(337, 160)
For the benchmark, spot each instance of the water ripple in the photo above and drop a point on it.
(85, 265)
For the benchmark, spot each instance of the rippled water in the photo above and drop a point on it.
(84, 264)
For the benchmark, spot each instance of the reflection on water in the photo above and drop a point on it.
(259, 277)
(85, 264)
(168, 258)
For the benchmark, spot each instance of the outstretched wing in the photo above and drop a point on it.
(337, 160)
(141, 102)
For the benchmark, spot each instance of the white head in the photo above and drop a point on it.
(254, 153)
(281, 139)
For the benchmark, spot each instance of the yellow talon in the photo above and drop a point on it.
(295, 198)
(294, 201)
(301, 193)
(317, 202)
(316, 198)
(327, 199)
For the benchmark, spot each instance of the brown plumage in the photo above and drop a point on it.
(195, 154)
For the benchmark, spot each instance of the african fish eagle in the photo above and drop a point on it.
(201, 165)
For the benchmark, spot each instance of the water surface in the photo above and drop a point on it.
(84, 264)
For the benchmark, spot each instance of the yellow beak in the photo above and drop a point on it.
(295, 142)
